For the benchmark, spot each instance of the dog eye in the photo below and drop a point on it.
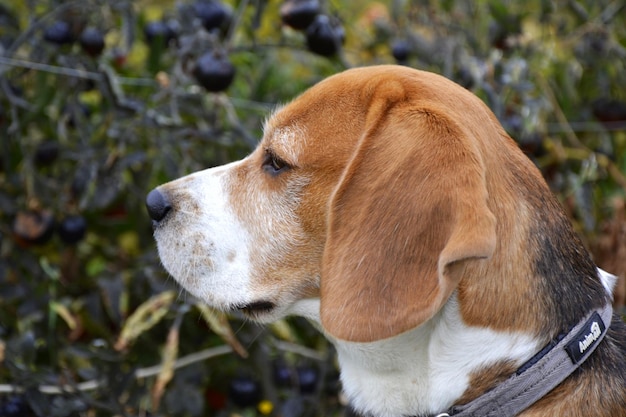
(274, 165)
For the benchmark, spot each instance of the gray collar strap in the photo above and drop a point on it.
(543, 372)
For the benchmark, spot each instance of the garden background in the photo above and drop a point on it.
(101, 100)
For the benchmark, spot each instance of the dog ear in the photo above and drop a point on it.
(409, 213)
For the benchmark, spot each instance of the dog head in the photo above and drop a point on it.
(368, 196)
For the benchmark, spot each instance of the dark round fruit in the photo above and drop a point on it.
(401, 49)
(215, 399)
(609, 110)
(299, 14)
(158, 31)
(244, 391)
(46, 153)
(15, 406)
(323, 37)
(72, 229)
(118, 58)
(308, 378)
(59, 33)
(501, 36)
(214, 72)
(33, 227)
(282, 375)
(92, 41)
(212, 14)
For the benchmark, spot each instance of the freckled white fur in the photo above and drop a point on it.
(207, 252)
(222, 260)
(423, 370)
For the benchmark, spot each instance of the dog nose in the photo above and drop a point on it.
(157, 204)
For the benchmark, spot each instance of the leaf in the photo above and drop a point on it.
(170, 353)
(218, 322)
(95, 265)
(114, 294)
(144, 318)
(129, 243)
(51, 271)
(63, 312)
(283, 330)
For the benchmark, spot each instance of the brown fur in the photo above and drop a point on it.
(409, 189)
(410, 239)
(486, 379)
(433, 195)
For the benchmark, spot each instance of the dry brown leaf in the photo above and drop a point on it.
(170, 353)
(145, 317)
(219, 324)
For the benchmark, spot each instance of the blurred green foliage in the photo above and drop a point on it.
(90, 325)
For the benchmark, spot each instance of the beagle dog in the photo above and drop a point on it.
(389, 207)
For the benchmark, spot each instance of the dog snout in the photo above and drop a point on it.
(158, 206)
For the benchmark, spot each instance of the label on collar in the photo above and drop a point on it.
(586, 339)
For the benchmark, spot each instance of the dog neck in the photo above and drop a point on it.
(425, 370)
(543, 372)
